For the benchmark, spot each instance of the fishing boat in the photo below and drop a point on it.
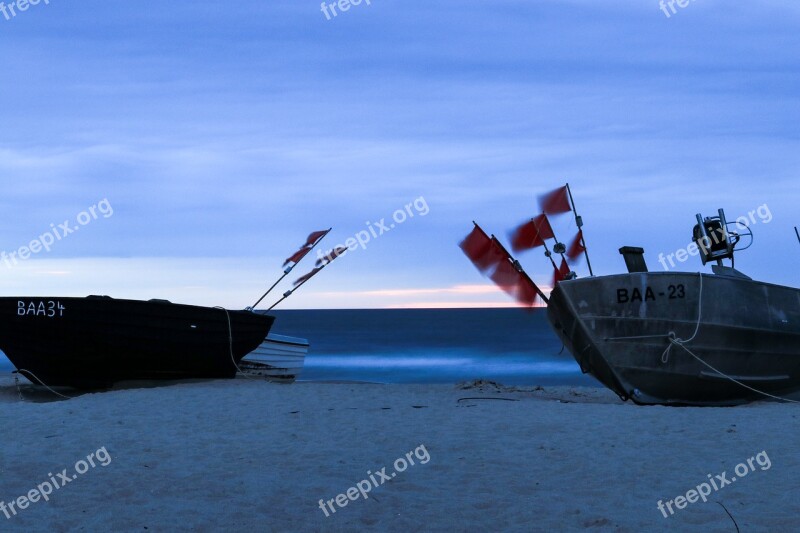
(279, 358)
(717, 338)
(97, 341)
(670, 338)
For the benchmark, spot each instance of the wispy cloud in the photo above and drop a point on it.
(227, 132)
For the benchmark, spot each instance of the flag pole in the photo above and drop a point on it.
(519, 269)
(797, 233)
(549, 255)
(547, 251)
(285, 295)
(579, 223)
(287, 270)
(290, 292)
(535, 286)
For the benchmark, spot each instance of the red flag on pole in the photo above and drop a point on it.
(576, 248)
(543, 226)
(315, 237)
(480, 249)
(489, 255)
(306, 277)
(330, 256)
(515, 283)
(526, 291)
(555, 202)
(297, 256)
(510, 277)
(311, 241)
(561, 273)
(532, 234)
(506, 277)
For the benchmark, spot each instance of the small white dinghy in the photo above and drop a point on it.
(278, 358)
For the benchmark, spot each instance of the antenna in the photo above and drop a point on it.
(797, 233)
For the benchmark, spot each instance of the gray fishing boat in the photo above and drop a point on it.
(717, 338)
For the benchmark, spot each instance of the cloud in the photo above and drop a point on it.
(227, 132)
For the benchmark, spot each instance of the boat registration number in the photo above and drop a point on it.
(47, 308)
(673, 292)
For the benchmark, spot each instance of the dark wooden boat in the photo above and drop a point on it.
(97, 341)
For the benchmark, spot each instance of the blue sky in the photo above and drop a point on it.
(222, 133)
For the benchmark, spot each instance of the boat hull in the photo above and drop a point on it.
(95, 342)
(618, 329)
(278, 358)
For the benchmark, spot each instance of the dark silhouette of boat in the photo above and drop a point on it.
(97, 341)
(683, 338)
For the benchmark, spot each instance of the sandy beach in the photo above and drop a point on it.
(250, 455)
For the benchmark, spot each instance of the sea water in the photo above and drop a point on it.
(511, 346)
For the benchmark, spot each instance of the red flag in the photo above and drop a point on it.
(515, 283)
(532, 234)
(311, 241)
(525, 237)
(315, 237)
(576, 248)
(506, 277)
(297, 256)
(526, 291)
(555, 202)
(486, 253)
(480, 249)
(561, 273)
(330, 256)
(303, 279)
(543, 227)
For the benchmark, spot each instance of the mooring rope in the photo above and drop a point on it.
(19, 390)
(673, 340)
(671, 335)
(41, 383)
(748, 387)
(230, 343)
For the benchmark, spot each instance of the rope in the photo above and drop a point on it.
(671, 335)
(19, 390)
(41, 383)
(748, 387)
(674, 341)
(681, 343)
(230, 343)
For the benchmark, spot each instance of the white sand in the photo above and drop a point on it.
(248, 455)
